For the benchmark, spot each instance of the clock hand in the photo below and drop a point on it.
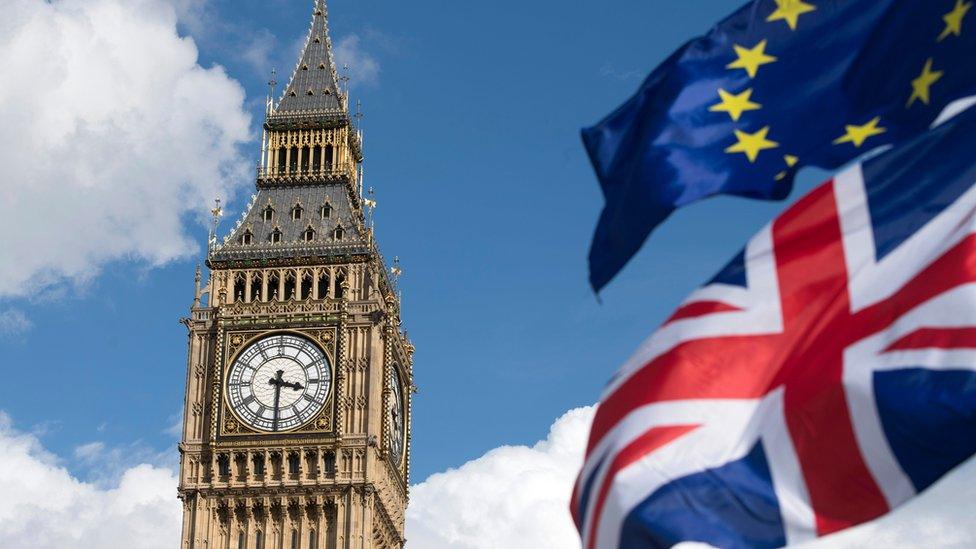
(277, 382)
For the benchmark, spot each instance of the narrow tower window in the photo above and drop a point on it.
(273, 283)
(323, 284)
(329, 156)
(326, 211)
(293, 464)
(246, 238)
(297, 211)
(305, 289)
(269, 212)
(312, 542)
(259, 540)
(240, 284)
(308, 235)
(256, 280)
(330, 463)
(223, 465)
(289, 286)
(294, 539)
(317, 158)
(339, 232)
(276, 236)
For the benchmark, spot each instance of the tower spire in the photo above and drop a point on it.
(314, 86)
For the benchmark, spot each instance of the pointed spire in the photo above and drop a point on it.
(314, 87)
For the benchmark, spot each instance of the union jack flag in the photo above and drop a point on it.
(824, 377)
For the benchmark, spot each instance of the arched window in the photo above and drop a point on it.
(308, 235)
(259, 540)
(247, 238)
(323, 284)
(276, 236)
(339, 233)
(297, 211)
(273, 283)
(240, 284)
(294, 539)
(326, 211)
(241, 541)
(312, 542)
(256, 280)
(305, 288)
(289, 286)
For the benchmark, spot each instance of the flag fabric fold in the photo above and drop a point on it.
(778, 85)
(824, 377)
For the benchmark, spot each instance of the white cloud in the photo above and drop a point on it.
(113, 137)
(364, 69)
(45, 507)
(512, 497)
(13, 323)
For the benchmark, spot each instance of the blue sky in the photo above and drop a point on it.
(472, 117)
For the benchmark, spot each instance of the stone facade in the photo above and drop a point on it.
(302, 261)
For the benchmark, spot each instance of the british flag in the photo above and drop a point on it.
(824, 377)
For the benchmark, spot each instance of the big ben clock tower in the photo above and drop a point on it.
(297, 416)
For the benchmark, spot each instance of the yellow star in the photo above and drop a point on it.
(954, 18)
(790, 11)
(790, 162)
(857, 135)
(752, 144)
(734, 104)
(922, 86)
(751, 59)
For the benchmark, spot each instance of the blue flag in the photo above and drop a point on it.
(778, 85)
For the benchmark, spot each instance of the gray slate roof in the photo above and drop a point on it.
(313, 86)
(283, 200)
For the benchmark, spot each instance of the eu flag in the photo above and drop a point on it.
(778, 85)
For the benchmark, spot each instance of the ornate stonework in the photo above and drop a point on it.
(301, 264)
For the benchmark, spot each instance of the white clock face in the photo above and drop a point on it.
(396, 419)
(279, 383)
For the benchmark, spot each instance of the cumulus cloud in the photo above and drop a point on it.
(14, 323)
(45, 507)
(364, 69)
(513, 497)
(114, 136)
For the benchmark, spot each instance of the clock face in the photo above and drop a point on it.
(279, 383)
(396, 419)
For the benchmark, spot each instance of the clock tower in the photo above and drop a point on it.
(296, 429)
